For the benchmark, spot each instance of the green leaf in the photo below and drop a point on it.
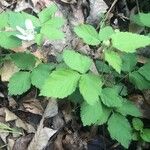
(110, 97)
(40, 74)
(16, 19)
(139, 81)
(3, 20)
(8, 41)
(88, 34)
(47, 13)
(120, 129)
(60, 83)
(39, 39)
(55, 22)
(90, 114)
(145, 71)
(19, 83)
(105, 33)
(52, 33)
(129, 61)
(137, 124)
(114, 60)
(141, 19)
(104, 115)
(90, 88)
(129, 42)
(77, 61)
(102, 67)
(24, 60)
(35, 20)
(121, 89)
(129, 108)
(145, 135)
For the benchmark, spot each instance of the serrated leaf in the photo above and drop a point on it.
(114, 60)
(129, 42)
(3, 20)
(55, 22)
(60, 83)
(145, 71)
(104, 115)
(47, 13)
(90, 88)
(110, 97)
(129, 108)
(77, 61)
(120, 129)
(90, 114)
(8, 41)
(24, 60)
(141, 19)
(129, 61)
(19, 83)
(137, 124)
(52, 33)
(139, 81)
(105, 33)
(40, 74)
(145, 135)
(88, 34)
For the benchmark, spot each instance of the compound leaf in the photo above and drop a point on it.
(129, 42)
(77, 61)
(90, 88)
(19, 83)
(120, 129)
(60, 83)
(88, 34)
(111, 98)
(90, 114)
(24, 60)
(114, 60)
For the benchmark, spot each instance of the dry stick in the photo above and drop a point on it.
(138, 8)
(107, 14)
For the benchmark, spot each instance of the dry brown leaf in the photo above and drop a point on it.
(8, 69)
(22, 142)
(33, 106)
(9, 116)
(10, 143)
(21, 124)
(52, 108)
(41, 138)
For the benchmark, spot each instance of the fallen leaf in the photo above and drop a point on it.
(33, 106)
(8, 69)
(41, 138)
(9, 116)
(22, 142)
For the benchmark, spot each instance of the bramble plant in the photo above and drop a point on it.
(104, 101)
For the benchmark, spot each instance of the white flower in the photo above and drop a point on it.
(27, 34)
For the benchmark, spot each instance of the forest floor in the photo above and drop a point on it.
(42, 123)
